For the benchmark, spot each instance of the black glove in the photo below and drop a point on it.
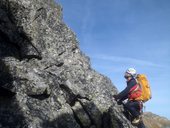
(115, 97)
(119, 102)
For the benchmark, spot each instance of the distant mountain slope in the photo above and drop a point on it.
(154, 121)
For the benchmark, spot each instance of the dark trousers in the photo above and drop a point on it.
(133, 107)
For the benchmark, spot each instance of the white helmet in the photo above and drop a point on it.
(131, 71)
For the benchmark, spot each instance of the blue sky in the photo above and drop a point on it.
(118, 34)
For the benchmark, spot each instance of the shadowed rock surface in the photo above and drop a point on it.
(45, 80)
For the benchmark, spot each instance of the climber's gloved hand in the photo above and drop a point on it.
(119, 102)
(115, 97)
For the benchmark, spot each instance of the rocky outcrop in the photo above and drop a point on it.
(154, 121)
(45, 80)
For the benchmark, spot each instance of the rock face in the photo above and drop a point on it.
(45, 80)
(154, 121)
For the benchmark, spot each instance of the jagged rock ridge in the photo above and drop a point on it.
(46, 81)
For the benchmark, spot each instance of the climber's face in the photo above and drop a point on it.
(127, 76)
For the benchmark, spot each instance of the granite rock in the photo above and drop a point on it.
(46, 81)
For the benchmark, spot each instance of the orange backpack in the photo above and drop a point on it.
(146, 90)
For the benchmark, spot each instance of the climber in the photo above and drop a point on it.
(132, 90)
